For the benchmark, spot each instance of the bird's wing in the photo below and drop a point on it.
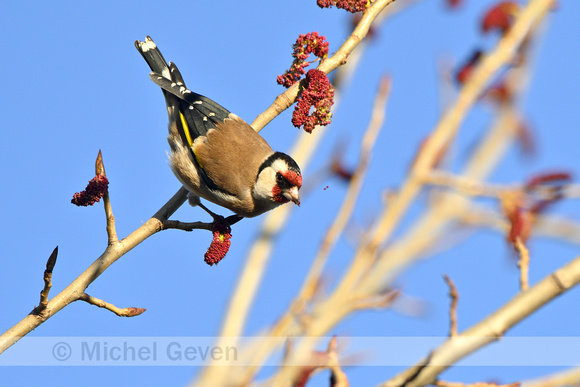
(231, 155)
(200, 113)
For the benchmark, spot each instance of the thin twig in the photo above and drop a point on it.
(122, 312)
(186, 226)
(379, 301)
(111, 230)
(465, 185)
(471, 187)
(50, 263)
(454, 295)
(523, 263)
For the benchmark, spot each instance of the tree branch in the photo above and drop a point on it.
(491, 328)
(76, 289)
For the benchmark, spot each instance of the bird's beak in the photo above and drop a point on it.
(292, 195)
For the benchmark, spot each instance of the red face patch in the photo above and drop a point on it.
(293, 178)
(277, 194)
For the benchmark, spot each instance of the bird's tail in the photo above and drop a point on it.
(153, 57)
(190, 114)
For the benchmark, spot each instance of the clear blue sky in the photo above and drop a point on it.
(73, 84)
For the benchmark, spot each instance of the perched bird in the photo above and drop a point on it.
(214, 153)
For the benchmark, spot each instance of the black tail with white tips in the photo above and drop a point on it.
(152, 56)
(197, 114)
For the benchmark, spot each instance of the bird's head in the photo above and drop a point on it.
(279, 180)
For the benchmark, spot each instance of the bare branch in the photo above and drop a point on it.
(76, 288)
(491, 328)
(382, 300)
(121, 312)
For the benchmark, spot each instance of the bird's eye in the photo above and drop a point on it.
(279, 177)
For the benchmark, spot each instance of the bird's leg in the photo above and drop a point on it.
(230, 220)
(211, 213)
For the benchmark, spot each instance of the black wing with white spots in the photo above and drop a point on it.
(200, 113)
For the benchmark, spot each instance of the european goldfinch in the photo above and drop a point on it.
(214, 153)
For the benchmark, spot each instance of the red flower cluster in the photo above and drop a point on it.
(500, 17)
(220, 245)
(319, 94)
(348, 5)
(93, 193)
(306, 44)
